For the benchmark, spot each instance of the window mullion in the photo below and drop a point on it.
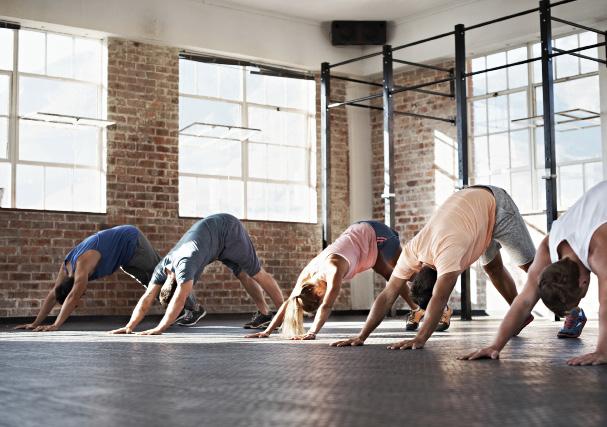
(13, 120)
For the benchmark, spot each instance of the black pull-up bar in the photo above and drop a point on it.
(583, 27)
(418, 86)
(405, 113)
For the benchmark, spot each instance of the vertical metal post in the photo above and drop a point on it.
(388, 105)
(325, 150)
(548, 102)
(461, 122)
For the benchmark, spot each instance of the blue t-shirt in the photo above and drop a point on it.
(116, 246)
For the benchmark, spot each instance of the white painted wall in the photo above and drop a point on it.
(361, 203)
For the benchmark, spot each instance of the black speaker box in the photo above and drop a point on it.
(349, 33)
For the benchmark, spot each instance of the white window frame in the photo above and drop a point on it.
(14, 121)
(535, 173)
(310, 149)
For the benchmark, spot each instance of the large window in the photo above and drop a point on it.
(45, 164)
(269, 175)
(507, 135)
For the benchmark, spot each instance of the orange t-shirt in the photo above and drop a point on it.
(456, 235)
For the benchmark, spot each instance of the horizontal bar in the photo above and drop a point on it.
(10, 25)
(404, 113)
(352, 101)
(573, 24)
(514, 15)
(407, 88)
(360, 58)
(566, 52)
(526, 61)
(432, 92)
(348, 79)
(590, 58)
(429, 39)
(417, 64)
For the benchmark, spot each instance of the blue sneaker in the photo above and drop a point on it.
(574, 323)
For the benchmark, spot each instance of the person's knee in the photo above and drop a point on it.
(495, 266)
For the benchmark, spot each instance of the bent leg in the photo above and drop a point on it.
(501, 278)
(269, 285)
(255, 291)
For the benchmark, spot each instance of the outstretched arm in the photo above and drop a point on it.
(48, 303)
(440, 297)
(175, 307)
(519, 310)
(381, 305)
(141, 309)
(335, 272)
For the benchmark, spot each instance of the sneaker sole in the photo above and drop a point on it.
(566, 335)
(260, 326)
(194, 322)
(411, 328)
(440, 328)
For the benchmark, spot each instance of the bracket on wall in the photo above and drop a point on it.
(211, 130)
(68, 120)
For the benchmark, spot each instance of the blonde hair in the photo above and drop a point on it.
(308, 300)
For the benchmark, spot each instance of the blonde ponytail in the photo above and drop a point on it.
(293, 324)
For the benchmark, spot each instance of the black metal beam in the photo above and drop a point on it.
(325, 151)
(359, 58)
(486, 70)
(428, 39)
(349, 79)
(352, 101)
(10, 25)
(579, 49)
(461, 122)
(548, 104)
(405, 113)
(407, 88)
(388, 107)
(590, 58)
(419, 64)
(573, 24)
(428, 92)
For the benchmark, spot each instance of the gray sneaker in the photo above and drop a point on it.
(191, 317)
(259, 321)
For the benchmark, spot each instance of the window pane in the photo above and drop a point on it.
(496, 80)
(501, 180)
(3, 137)
(499, 152)
(49, 143)
(6, 49)
(278, 127)
(92, 183)
(570, 183)
(519, 144)
(207, 79)
(521, 191)
(268, 201)
(210, 156)
(60, 97)
(58, 194)
(30, 187)
(479, 81)
(59, 55)
(230, 82)
(518, 109)
(497, 113)
(256, 88)
(193, 110)
(479, 117)
(517, 75)
(187, 196)
(537, 65)
(566, 65)
(579, 144)
(32, 51)
(5, 185)
(211, 196)
(5, 92)
(279, 163)
(587, 66)
(299, 93)
(578, 93)
(481, 156)
(593, 174)
(87, 59)
(187, 77)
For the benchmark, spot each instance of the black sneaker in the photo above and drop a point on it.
(191, 317)
(259, 321)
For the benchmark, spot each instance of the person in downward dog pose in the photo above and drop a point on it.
(97, 256)
(560, 274)
(474, 222)
(363, 245)
(217, 237)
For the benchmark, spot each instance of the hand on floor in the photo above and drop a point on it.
(46, 328)
(26, 326)
(483, 353)
(308, 336)
(596, 358)
(124, 330)
(413, 344)
(263, 334)
(150, 332)
(351, 342)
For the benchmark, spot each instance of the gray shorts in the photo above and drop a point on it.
(144, 260)
(509, 232)
(239, 253)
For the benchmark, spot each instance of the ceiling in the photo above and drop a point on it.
(329, 10)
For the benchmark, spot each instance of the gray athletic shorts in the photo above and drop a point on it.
(239, 253)
(509, 232)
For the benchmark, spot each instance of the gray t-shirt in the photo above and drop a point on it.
(217, 237)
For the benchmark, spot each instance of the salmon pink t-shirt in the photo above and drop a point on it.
(357, 245)
(456, 235)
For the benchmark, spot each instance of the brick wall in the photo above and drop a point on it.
(142, 189)
(425, 158)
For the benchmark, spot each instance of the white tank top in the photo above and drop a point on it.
(579, 223)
